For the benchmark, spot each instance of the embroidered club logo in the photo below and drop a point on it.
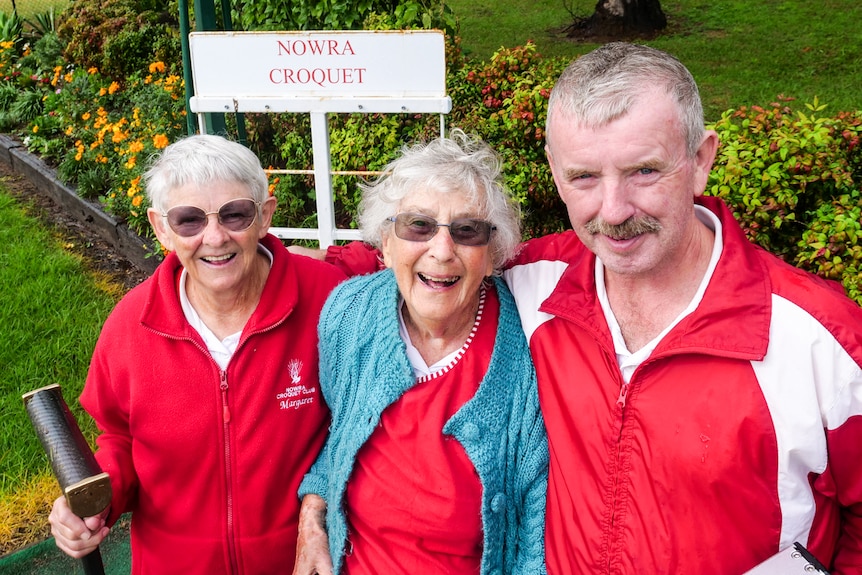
(294, 366)
(295, 395)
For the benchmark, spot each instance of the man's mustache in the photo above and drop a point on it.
(634, 226)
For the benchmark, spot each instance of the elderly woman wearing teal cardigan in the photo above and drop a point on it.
(436, 461)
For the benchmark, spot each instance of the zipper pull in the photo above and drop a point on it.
(225, 410)
(624, 391)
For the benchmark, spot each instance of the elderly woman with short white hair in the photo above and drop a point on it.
(436, 461)
(188, 375)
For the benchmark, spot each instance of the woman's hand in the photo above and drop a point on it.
(312, 546)
(76, 537)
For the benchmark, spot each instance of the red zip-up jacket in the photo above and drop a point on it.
(739, 435)
(209, 461)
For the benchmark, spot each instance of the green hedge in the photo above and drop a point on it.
(792, 175)
(790, 171)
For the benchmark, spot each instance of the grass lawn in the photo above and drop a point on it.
(27, 8)
(741, 52)
(52, 312)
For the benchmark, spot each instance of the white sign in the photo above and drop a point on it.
(290, 71)
(319, 73)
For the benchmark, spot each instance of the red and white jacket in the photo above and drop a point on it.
(209, 461)
(739, 435)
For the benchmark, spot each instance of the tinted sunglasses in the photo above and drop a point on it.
(235, 215)
(464, 231)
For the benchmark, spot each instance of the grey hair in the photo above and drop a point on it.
(603, 85)
(457, 163)
(200, 160)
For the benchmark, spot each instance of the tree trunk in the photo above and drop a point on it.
(634, 15)
(621, 19)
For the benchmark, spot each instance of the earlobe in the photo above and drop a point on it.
(551, 165)
(708, 149)
(158, 224)
(267, 209)
(703, 159)
(550, 156)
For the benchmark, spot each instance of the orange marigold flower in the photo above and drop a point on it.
(85, 116)
(136, 201)
(160, 141)
(157, 67)
(136, 146)
(92, 70)
(102, 92)
(35, 129)
(112, 89)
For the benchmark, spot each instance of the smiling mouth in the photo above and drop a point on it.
(218, 259)
(623, 237)
(436, 282)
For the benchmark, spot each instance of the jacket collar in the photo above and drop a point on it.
(732, 319)
(163, 313)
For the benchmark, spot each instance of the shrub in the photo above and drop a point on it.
(27, 106)
(47, 53)
(108, 134)
(342, 14)
(12, 30)
(505, 101)
(792, 178)
(8, 95)
(830, 247)
(120, 37)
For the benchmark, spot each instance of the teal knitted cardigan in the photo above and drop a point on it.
(364, 368)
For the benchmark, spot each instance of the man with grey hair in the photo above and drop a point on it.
(703, 399)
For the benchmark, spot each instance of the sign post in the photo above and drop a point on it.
(319, 73)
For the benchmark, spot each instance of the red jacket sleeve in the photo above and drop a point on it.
(355, 258)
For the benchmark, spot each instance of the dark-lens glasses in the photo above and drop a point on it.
(464, 231)
(235, 215)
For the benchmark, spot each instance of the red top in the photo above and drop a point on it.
(413, 502)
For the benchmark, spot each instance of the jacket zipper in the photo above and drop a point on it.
(226, 417)
(231, 544)
(624, 391)
(621, 402)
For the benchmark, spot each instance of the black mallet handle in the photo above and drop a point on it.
(86, 488)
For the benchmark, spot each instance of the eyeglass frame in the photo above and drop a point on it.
(437, 225)
(257, 214)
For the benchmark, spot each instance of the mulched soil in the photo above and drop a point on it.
(97, 254)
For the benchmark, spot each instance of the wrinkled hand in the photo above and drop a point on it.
(312, 545)
(76, 537)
